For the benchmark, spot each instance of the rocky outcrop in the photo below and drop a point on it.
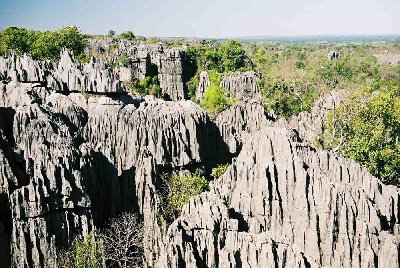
(23, 69)
(147, 60)
(68, 76)
(242, 86)
(70, 161)
(84, 159)
(203, 85)
(49, 205)
(238, 122)
(92, 77)
(310, 124)
(285, 204)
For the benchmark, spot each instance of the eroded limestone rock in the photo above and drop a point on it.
(283, 203)
(242, 86)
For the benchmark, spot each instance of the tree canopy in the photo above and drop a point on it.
(42, 45)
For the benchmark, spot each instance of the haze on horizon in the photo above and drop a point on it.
(208, 18)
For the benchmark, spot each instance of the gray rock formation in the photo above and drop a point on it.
(49, 205)
(203, 85)
(236, 123)
(147, 60)
(242, 86)
(333, 55)
(310, 124)
(70, 161)
(91, 77)
(84, 160)
(285, 204)
(23, 69)
(67, 76)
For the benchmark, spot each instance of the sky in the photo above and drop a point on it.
(207, 18)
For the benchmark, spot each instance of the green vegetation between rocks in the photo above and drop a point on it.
(216, 98)
(176, 191)
(84, 252)
(43, 45)
(295, 75)
(219, 171)
(148, 86)
(217, 60)
(178, 188)
(118, 244)
(366, 128)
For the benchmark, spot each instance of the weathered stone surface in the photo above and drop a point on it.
(311, 124)
(70, 161)
(23, 69)
(147, 60)
(242, 86)
(203, 85)
(170, 131)
(67, 76)
(283, 203)
(91, 77)
(50, 207)
(236, 123)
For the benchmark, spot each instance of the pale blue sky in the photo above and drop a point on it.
(208, 18)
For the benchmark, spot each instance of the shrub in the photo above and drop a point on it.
(175, 192)
(148, 86)
(111, 33)
(127, 35)
(300, 65)
(366, 128)
(17, 39)
(215, 99)
(84, 252)
(281, 98)
(219, 171)
(228, 57)
(124, 61)
(182, 187)
(192, 87)
(233, 56)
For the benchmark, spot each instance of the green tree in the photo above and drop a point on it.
(366, 128)
(182, 187)
(219, 171)
(111, 33)
(127, 35)
(17, 39)
(148, 86)
(233, 56)
(86, 252)
(43, 45)
(215, 99)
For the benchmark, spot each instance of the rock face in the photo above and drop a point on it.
(285, 204)
(242, 86)
(67, 76)
(310, 124)
(74, 161)
(236, 123)
(148, 60)
(203, 85)
(49, 206)
(92, 77)
(23, 69)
